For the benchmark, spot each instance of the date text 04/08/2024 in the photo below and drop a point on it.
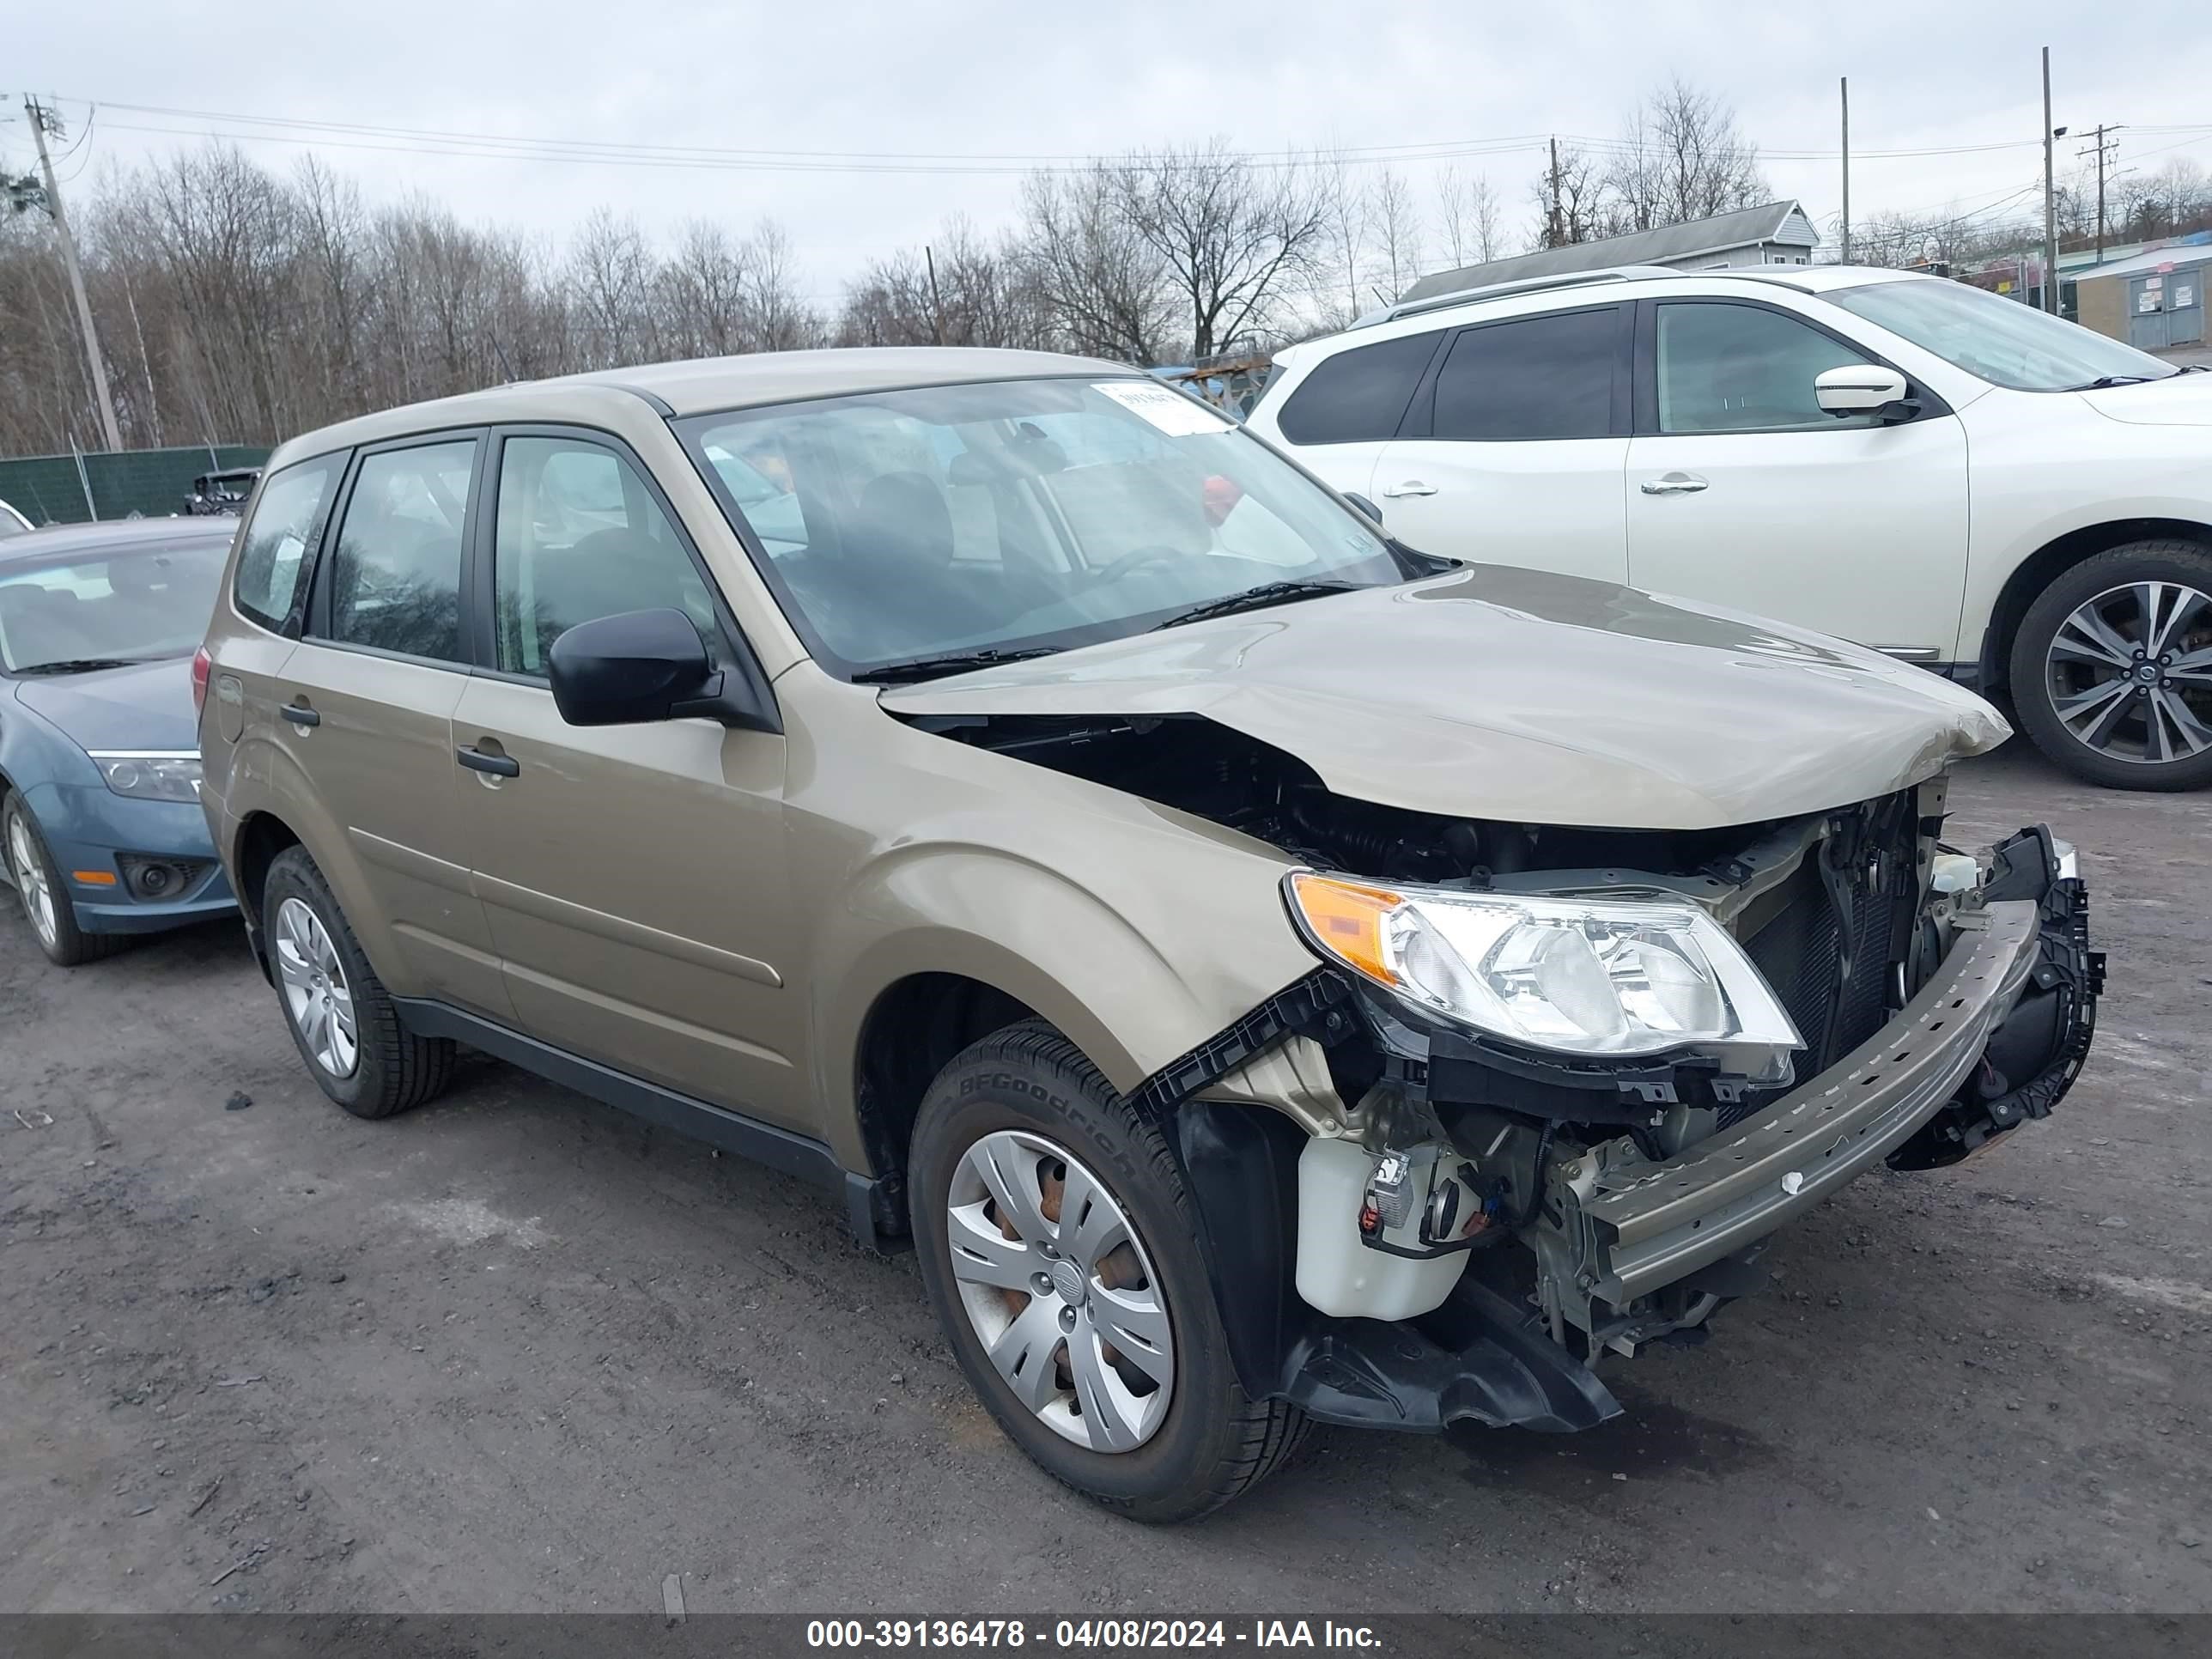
(1086, 1633)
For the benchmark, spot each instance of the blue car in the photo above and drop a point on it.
(101, 833)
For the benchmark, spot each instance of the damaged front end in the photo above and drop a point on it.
(1494, 1213)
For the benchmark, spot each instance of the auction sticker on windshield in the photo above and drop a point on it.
(1170, 411)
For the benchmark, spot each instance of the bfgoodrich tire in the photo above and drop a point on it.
(2111, 667)
(340, 1016)
(1059, 1247)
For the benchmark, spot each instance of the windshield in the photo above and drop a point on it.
(1018, 516)
(2001, 340)
(117, 606)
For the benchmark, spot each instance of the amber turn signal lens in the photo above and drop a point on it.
(1345, 920)
(94, 878)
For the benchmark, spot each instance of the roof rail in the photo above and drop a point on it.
(1524, 285)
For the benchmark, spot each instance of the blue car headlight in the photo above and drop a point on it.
(151, 774)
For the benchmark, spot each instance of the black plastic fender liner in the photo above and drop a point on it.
(1476, 1357)
(1241, 1165)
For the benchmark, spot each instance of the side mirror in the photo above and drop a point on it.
(1374, 512)
(1864, 389)
(640, 666)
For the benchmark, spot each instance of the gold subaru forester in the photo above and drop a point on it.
(1269, 974)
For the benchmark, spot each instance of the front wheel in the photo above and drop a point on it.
(39, 884)
(1059, 1246)
(2112, 668)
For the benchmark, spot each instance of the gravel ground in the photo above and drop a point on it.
(517, 1352)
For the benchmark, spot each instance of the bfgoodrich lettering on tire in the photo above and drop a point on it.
(340, 1015)
(1060, 1250)
(2112, 668)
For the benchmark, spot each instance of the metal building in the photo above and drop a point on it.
(2154, 301)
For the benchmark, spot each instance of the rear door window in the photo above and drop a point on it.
(1548, 376)
(274, 556)
(395, 569)
(1357, 396)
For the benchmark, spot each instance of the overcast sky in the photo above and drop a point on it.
(978, 78)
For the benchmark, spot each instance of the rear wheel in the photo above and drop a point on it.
(1059, 1246)
(2112, 668)
(39, 884)
(342, 1018)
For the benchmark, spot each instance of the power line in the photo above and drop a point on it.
(451, 140)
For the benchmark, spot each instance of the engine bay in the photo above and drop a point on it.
(1198, 766)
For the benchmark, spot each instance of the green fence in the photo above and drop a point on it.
(130, 483)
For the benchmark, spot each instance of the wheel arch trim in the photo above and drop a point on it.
(2053, 558)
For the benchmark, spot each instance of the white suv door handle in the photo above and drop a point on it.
(1675, 483)
(1411, 487)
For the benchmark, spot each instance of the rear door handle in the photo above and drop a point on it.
(299, 714)
(500, 766)
(1411, 487)
(1675, 483)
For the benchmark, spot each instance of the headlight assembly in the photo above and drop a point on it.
(151, 775)
(1595, 978)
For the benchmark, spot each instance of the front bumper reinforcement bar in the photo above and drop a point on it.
(1646, 1225)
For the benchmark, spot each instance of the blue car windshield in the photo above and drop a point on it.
(109, 605)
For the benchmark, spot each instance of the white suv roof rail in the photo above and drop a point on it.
(1524, 285)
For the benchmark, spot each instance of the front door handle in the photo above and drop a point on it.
(299, 714)
(1675, 483)
(1411, 487)
(500, 766)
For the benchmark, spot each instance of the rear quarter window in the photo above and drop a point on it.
(272, 558)
(1357, 396)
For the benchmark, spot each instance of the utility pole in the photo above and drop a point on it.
(2103, 148)
(1847, 169)
(1559, 238)
(2049, 199)
(936, 305)
(44, 120)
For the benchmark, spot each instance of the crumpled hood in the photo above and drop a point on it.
(2176, 400)
(1496, 692)
(146, 705)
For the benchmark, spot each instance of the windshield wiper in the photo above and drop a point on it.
(1254, 599)
(2104, 380)
(951, 662)
(81, 665)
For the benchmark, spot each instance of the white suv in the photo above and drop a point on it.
(1910, 463)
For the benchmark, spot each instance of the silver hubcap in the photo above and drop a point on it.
(2130, 673)
(316, 995)
(1060, 1292)
(31, 879)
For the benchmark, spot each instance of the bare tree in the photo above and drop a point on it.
(702, 293)
(1398, 233)
(1233, 237)
(776, 318)
(610, 274)
(2174, 201)
(1570, 197)
(1682, 157)
(1466, 218)
(1342, 252)
(1101, 282)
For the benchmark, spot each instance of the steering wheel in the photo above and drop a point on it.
(1157, 553)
